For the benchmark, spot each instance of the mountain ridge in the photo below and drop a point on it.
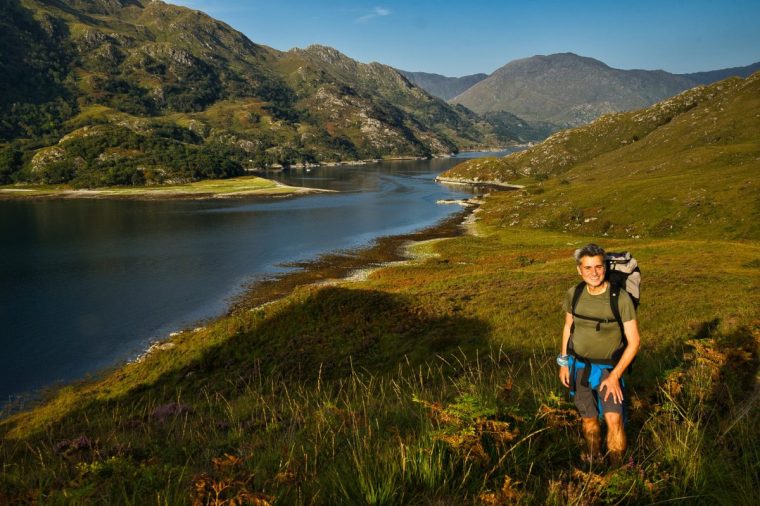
(567, 89)
(442, 86)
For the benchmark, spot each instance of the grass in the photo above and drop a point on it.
(214, 188)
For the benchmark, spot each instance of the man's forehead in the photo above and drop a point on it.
(595, 260)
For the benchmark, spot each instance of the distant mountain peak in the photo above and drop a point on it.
(556, 59)
(567, 89)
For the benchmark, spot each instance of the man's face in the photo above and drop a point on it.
(591, 270)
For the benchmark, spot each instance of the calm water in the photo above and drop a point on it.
(85, 284)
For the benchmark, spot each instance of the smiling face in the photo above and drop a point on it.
(591, 270)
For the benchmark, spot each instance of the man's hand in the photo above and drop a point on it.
(611, 386)
(564, 376)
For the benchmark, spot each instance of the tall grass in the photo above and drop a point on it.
(457, 428)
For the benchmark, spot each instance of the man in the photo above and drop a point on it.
(594, 354)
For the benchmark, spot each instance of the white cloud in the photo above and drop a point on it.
(377, 12)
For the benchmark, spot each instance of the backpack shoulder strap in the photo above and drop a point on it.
(577, 295)
(615, 304)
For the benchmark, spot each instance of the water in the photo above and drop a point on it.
(85, 284)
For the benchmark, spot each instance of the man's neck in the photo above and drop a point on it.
(597, 290)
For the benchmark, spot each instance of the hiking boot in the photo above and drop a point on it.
(615, 459)
(592, 459)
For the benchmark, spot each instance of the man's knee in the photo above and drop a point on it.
(616, 440)
(614, 421)
(591, 425)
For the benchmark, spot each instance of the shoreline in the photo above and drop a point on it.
(477, 182)
(209, 189)
(340, 266)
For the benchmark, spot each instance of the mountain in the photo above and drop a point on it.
(561, 90)
(686, 164)
(712, 76)
(503, 124)
(98, 92)
(568, 90)
(337, 90)
(442, 86)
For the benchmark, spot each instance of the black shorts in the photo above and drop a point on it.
(586, 399)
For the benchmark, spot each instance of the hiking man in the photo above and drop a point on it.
(595, 353)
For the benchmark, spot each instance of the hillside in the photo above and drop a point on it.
(339, 92)
(568, 90)
(442, 86)
(680, 166)
(99, 92)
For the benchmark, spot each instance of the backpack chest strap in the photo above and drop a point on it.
(598, 321)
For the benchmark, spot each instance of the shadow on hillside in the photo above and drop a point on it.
(335, 330)
(329, 334)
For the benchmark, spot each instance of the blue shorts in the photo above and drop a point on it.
(588, 400)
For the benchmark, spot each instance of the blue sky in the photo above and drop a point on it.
(467, 37)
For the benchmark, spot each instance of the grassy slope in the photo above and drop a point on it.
(435, 380)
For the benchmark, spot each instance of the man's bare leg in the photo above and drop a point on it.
(616, 441)
(592, 433)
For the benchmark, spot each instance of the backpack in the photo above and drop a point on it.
(623, 271)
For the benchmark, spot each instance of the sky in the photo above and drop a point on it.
(457, 38)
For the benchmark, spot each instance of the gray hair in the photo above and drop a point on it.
(589, 250)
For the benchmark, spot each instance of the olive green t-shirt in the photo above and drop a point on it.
(592, 343)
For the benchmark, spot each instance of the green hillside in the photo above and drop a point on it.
(122, 92)
(687, 165)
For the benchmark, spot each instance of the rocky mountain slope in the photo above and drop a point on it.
(687, 163)
(567, 89)
(570, 90)
(98, 92)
